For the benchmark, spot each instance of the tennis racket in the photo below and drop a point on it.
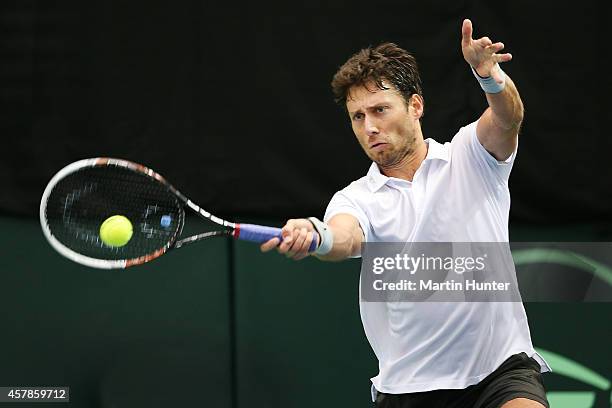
(81, 196)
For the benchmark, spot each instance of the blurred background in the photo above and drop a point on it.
(231, 102)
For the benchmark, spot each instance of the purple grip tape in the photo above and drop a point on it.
(261, 234)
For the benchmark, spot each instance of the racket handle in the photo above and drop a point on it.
(261, 234)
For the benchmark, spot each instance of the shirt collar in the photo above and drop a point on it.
(435, 151)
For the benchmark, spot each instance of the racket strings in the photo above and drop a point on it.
(83, 200)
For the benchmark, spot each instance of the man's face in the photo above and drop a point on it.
(385, 126)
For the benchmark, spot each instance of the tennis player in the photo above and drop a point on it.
(431, 354)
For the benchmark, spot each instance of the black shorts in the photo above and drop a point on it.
(517, 377)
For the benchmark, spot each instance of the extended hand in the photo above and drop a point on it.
(297, 236)
(482, 53)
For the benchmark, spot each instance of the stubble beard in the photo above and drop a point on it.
(394, 158)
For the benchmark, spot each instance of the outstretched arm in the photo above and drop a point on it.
(299, 233)
(499, 125)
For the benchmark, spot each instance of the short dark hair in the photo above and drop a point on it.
(385, 62)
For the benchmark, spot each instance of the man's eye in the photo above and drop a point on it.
(358, 116)
(381, 109)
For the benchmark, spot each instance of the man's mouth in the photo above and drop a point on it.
(378, 146)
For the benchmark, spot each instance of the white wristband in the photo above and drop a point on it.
(326, 236)
(488, 84)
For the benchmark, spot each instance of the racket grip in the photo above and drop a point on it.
(261, 234)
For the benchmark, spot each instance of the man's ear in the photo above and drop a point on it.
(418, 104)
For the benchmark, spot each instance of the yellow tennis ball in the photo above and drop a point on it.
(116, 231)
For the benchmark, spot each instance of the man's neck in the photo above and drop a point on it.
(408, 166)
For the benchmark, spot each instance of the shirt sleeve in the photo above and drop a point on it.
(342, 203)
(467, 141)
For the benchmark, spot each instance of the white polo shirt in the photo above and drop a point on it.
(458, 194)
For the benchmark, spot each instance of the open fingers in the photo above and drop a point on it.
(503, 57)
(493, 48)
(466, 32)
(484, 42)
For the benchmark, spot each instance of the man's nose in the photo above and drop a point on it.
(370, 127)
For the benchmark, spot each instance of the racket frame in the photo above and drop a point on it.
(174, 242)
